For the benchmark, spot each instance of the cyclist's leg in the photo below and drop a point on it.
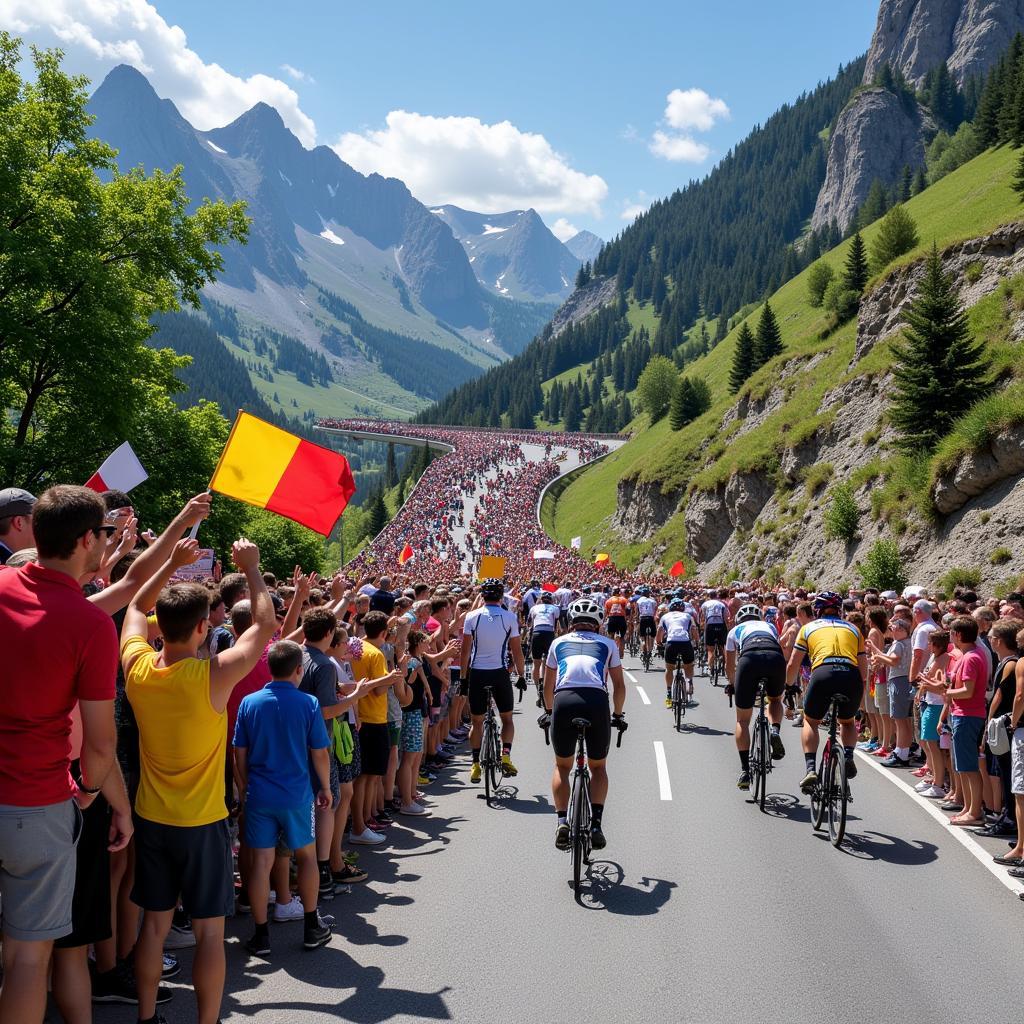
(560, 786)
(744, 694)
(671, 655)
(688, 659)
(477, 708)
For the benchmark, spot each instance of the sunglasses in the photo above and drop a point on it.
(107, 531)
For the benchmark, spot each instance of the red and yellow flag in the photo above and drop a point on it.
(405, 554)
(602, 559)
(266, 466)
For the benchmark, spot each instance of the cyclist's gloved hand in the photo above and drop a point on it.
(619, 722)
(793, 691)
(545, 720)
(521, 684)
(729, 689)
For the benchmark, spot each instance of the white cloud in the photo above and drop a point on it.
(632, 208)
(461, 160)
(679, 148)
(694, 108)
(563, 230)
(97, 34)
(298, 74)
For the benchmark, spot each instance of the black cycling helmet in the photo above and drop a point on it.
(546, 598)
(828, 600)
(534, 583)
(492, 589)
(676, 604)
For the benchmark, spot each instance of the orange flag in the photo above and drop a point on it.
(677, 570)
(405, 554)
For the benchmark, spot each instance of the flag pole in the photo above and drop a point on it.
(194, 532)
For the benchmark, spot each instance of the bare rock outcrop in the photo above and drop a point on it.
(641, 509)
(583, 301)
(977, 471)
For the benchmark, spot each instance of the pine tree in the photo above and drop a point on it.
(920, 182)
(768, 340)
(875, 205)
(855, 272)
(572, 413)
(897, 234)
(681, 401)
(986, 120)
(583, 275)
(1018, 178)
(376, 514)
(906, 183)
(742, 359)
(390, 467)
(940, 370)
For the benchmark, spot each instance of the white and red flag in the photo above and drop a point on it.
(121, 471)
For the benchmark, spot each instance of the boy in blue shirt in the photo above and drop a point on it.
(278, 732)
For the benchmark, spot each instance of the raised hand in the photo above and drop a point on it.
(185, 553)
(245, 555)
(196, 509)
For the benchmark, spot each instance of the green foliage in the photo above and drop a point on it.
(973, 272)
(377, 515)
(948, 152)
(842, 516)
(742, 358)
(283, 544)
(1018, 176)
(690, 399)
(940, 370)
(897, 234)
(841, 301)
(968, 577)
(883, 567)
(975, 430)
(768, 339)
(818, 278)
(855, 270)
(655, 387)
(1000, 556)
(815, 477)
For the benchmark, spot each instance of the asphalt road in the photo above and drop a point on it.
(700, 909)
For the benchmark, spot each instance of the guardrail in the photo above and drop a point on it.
(565, 476)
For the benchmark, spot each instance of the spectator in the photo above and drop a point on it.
(15, 521)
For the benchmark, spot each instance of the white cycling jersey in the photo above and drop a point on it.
(490, 628)
(746, 634)
(582, 659)
(646, 607)
(677, 626)
(714, 612)
(544, 617)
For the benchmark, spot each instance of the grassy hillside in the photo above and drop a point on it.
(971, 201)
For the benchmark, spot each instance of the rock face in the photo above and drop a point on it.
(916, 36)
(582, 303)
(876, 136)
(642, 508)
(976, 472)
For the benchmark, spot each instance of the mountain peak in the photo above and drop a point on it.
(125, 86)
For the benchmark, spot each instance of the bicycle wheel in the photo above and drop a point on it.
(579, 828)
(493, 769)
(818, 794)
(485, 760)
(714, 669)
(763, 761)
(836, 782)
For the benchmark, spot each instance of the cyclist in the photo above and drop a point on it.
(494, 635)
(753, 653)
(678, 632)
(646, 607)
(578, 667)
(543, 622)
(839, 664)
(714, 617)
(615, 613)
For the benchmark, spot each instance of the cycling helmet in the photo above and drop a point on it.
(677, 604)
(748, 612)
(586, 608)
(546, 598)
(827, 600)
(492, 589)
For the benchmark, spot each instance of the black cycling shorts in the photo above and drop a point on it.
(841, 677)
(616, 625)
(754, 665)
(500, 682)
(540, 643)
(648, 627)
(679, 650)
(591, 703)
(714, 634)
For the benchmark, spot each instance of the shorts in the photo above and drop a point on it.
(348, 773)
(193, 861)
(456, 686)
(394, 733)
(375, 748)
(647, 626)
(679, 650)
(434, 688)
(295, 827)
(617, 625)
(1017, 769)
(826, 680)
(591, 703)
(751, 667)
(930, 722)
(714, 634)
(967, 730)
(882, 697)
(90, 906)
(901, 697)
(412, 732)
(500, 682)
(540, 643)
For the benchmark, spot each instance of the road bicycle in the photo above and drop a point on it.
(717, 666)
(760, 748)
(680, 698)
(831, 793)
(490, 749)
(646, 656)
(702, 655)
(633, 644)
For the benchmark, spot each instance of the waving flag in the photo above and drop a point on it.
(541, 554)
(266, 466)
(405, 554)
(576, 543)
(677, 570)
(121, 471)
(548, 587)
(602, 559)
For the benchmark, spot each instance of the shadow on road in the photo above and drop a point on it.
(507, 799)
(605, 889)
(890, 849)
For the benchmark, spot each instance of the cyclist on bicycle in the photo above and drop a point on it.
(615, 613)
(839, 664)
(646, 607)
(678, 632)
(752, 653)
(493, 632)
(543, 622)
(714, 617)
(578, 667)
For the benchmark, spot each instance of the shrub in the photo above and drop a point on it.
(842, 516)
(841, 301)
(968, 577)
(883, 567)
(897, 234)
(815, 477)
(818, 279)
(985, 517)
(1000, 556)
(973, 271)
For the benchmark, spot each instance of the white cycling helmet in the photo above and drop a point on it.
(748, 612)
(586, 608)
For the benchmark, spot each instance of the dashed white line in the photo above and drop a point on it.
(663, 781)
(962, 836)
(643, 695)
(629, 676)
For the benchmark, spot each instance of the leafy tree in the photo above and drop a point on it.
(768, 340)
(897, 234)
(855, 272)
(940, 370)
(284, 544)
(86, 263)
(690, 399)
(841, 301)
(883, 567)
(655, 386)
(841, 517)
(946, 153)
(742, 358)
(818, 278)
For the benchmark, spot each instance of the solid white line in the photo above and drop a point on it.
(663, 781)
(643, 695)
(630, 676)
(962, 836)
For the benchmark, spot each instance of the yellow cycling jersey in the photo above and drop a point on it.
(831, 642)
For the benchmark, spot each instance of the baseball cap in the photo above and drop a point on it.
(913, 593)
(14, 501)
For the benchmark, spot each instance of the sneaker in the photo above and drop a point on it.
(883, 752)
(743, 782)
(508, 769)
(922, 786)
(326, 889)
(597, 838)
(316, 936)
(118, 986)
(851, 768)
(413, 808)
(562, 836)
(895, 761)
(798, 721)
(422, 780)
(810, 780)
(474, 772)
(367, 838)
(867, 745)
(293, 909)
(243, 906)
(258, 945)
(668, 702)
(384, 818)
(180, 937)
(349, 874)
(934, 793)
(171, 967)
(778, 750)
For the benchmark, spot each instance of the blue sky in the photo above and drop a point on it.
(557, 105)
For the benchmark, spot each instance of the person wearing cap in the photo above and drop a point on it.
(923, 624)
(16, 507)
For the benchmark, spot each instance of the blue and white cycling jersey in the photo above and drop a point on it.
(754, 633)
(582, 658)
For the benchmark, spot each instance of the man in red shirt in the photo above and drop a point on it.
(59, 650)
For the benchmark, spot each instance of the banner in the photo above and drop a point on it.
(491, 567)
(576, 543)
(198, 571)
(540, 554)
(677, 570)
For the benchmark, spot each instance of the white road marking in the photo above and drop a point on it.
(630, 676)
(643, 695)
(961, 835)
(663, 781)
